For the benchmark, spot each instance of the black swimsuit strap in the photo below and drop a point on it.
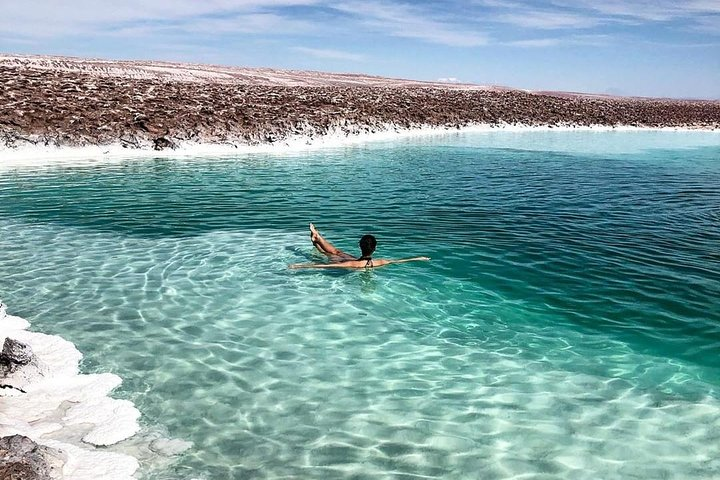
(368, 263)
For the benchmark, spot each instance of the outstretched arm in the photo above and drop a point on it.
(405, 260)
(356, 263)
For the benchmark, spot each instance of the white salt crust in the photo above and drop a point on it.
(60, 404)
(37, 155)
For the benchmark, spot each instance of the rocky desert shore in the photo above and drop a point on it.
(58, 101)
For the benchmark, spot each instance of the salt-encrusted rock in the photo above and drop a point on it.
(62, 409)
(161, 143)
(14, 355)
(23, 459)
(58, 357)
(19, 366)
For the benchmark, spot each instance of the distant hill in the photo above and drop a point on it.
(141, 104)
(190, 72)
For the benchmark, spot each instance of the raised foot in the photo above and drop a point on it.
(313, 233)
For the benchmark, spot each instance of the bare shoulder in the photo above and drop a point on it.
(352, 264)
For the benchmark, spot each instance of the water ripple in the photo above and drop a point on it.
(568, 325)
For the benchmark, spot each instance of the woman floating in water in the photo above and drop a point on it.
(340, 259)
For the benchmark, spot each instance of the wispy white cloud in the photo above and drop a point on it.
(593, 40)
(407, 21)
(598, 40)
(646, 10)
(535, 43)
(544, 20)
(250, 23)
(702, 16)
(87, 18)
(452, 23)
(83, 17)
(583, 14)
(611, 10)
(708, 24)
(330, 54)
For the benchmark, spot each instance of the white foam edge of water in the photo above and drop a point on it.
(39, 155)
(40, 412)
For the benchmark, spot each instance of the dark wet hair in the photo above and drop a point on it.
(367, 245)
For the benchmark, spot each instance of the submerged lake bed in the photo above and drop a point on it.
(568, 325)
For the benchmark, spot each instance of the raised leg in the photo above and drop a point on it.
(323, 246)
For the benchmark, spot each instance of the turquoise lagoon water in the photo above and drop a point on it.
(568, 325)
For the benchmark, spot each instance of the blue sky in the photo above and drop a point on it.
(668, 48)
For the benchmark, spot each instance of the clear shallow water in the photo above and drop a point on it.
(568, 325)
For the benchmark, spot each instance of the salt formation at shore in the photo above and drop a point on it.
(45, 398)
(69, 102)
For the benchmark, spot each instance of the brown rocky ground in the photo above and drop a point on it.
(72, 102)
